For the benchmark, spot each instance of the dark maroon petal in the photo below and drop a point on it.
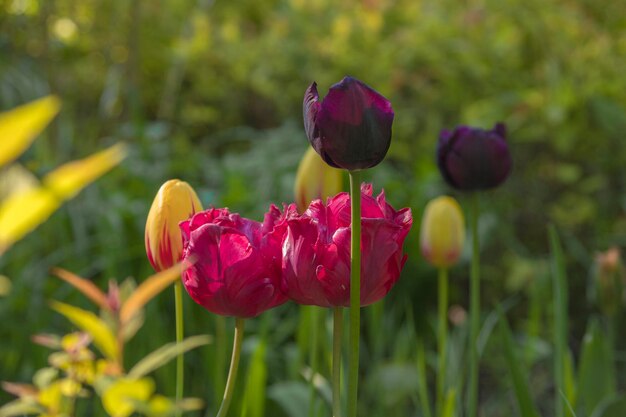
(351, 128)
(474, 159)
(310, 109)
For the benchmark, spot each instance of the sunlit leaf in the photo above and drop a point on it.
(148, 289)
(22, 212)
(20, 126)
(449, 404)
(119, 398)
(15, 178)
(44, 377)
(87, 321)
(19, 408)
(256, 383)
(51, 396)
(70, 178)
(86, 287)
(166, 353)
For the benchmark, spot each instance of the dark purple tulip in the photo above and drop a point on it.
(351, 127)
(474, 159)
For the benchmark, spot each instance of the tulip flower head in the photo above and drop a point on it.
(176, 201)
(473, 159)
(316, 250)
(315, 179)
(351, 127)
(232, 265)
(443, 232)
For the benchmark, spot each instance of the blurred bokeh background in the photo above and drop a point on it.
(210, 92)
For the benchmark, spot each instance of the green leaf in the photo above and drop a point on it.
(293, 397)
(612, 407)
(559, 285)
(256, 383)
(449, 403)
(422, 389)
(596, 377)
(520, 381)
(103, 337)
(165, 354)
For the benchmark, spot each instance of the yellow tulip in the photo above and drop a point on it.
(176, 201)
(315, 179)
(443, 232)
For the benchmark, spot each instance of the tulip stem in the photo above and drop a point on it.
(355, 291)
(442, 332)
(474, 309)
(337, 331)
(234, 365)
(178, 302)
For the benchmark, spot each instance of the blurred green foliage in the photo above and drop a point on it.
(210, 92)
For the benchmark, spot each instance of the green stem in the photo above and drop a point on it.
(474, 310)
(178, 299)
(313, 355)
(232, 372)
(337, 331)
(442, 332)
(355, 291)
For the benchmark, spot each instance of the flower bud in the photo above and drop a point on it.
(351, 127)
(176, 201)
(315, 180)
(443, 232)
(474, 159)
(607, 284)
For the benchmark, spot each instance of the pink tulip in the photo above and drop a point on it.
(233, 264)
(316, 250)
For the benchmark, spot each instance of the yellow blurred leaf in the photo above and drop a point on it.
(22, 212)
(160, 406)
(15, 178)
(103, 337)
(120, 397)
(19, 408)
(51, 396)
(148, 289)
(70, 178)
(86, 287)
(20, 126)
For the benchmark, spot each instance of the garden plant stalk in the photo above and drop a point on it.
(355, 291)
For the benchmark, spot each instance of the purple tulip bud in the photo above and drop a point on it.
(351, 127)
(474, 159)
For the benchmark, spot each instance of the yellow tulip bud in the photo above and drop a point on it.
(315, 179)
(443, 232)
(176, 201)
